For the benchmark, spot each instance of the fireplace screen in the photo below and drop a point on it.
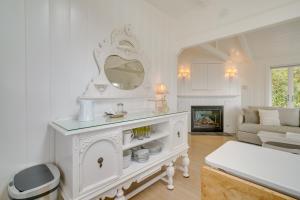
(207, 118)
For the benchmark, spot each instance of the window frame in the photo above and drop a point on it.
(290, 83)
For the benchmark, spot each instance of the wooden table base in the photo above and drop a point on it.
(222, 186)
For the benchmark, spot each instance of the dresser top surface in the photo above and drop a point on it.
(74, 124)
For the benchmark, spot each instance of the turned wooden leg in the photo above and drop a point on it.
(185, 164)
(120, 195)
(170, 174)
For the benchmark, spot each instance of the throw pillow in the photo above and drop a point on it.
(289, 116)
(269, 117)
(251, 116)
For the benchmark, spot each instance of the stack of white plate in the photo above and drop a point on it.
(141, 155)
(154, 147)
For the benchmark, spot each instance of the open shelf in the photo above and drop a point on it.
(154, 136)
(135, 166)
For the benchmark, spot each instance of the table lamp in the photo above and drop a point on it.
(161, 104)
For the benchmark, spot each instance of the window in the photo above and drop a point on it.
(286, 86)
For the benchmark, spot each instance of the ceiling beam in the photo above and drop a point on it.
(245, 47)
(218, 53)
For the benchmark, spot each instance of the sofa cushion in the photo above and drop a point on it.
(251, 116)
(248, 137)
(249, 127)
(287, 116)
(254, 128)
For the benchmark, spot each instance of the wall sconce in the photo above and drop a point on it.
(184, 73)
(231, 73)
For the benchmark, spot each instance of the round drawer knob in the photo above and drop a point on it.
(178, 134)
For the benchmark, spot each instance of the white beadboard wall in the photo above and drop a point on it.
(46, 63)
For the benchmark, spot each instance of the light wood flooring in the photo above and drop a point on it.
(186, 188)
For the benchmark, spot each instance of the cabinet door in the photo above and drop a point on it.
(179, 131)
(100, 164)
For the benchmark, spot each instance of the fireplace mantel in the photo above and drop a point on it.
(209, 95)
(231, 108)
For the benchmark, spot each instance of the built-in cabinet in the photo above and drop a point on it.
(91, 157)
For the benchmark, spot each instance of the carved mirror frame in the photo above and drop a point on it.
(122, 43)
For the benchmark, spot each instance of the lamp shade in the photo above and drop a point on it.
(161, 89)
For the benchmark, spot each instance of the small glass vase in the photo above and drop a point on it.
(147, 131)
(139, 133)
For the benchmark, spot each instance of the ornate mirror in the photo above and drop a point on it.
(123, 68)
(123, 73)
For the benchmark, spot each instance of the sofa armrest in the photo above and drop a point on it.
(241, 118)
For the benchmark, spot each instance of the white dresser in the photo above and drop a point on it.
(90, 154)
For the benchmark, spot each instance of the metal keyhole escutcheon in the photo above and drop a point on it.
(100, 161)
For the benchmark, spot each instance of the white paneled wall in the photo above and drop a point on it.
(47, 62)
(13, 88)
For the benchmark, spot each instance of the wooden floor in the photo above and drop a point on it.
(186, 188)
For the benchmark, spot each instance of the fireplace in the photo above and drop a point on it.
(207, 119)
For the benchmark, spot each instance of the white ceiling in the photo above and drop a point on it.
(278, 40)
(275, 41)
(222, 8)
(178, 8)
(281, 40)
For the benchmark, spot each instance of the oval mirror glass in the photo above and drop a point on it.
(124, 74)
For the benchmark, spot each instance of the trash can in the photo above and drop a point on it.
(36, 182)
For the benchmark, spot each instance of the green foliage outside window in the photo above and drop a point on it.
(279, 87)
(296, 80)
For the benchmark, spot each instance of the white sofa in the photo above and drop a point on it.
(249, 124)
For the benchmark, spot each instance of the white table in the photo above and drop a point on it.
(289, 142)
(271, 168)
